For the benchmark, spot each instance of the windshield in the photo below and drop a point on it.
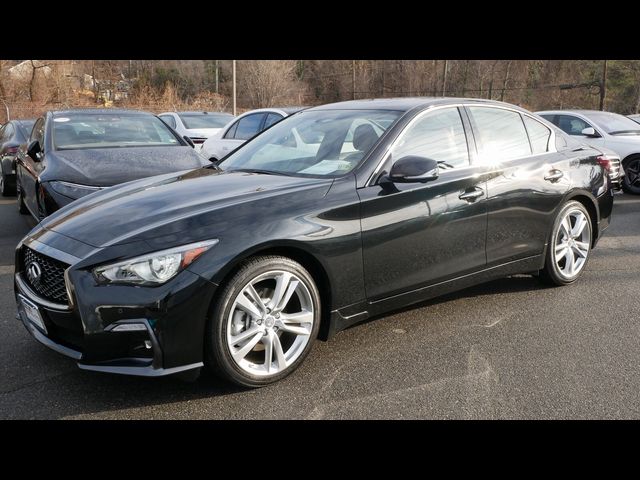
(324, 143)
(205, 120)
(615, 124)
(109, 131)
(25, 127)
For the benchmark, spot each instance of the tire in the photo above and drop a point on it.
(22, 208)
(631, 179)
(564, 265)
(272, 333)
(4, 188)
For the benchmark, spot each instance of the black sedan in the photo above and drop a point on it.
(12, 135)
(333, 215)
(73, 153)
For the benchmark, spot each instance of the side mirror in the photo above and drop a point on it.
(33, 149)
(414, 169)
(189, 141)
(589, 132)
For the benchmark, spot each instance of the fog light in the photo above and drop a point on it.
(129, 327)
(147, 344)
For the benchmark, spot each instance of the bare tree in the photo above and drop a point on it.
(266, 82)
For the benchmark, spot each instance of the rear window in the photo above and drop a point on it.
(205, 120)
(110, 131)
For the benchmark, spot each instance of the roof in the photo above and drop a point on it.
(97, 111)
(578, 111)
(202, 112)
(402, 103)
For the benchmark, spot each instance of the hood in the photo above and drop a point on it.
(104, 167)
(170, 204)
(202, 132)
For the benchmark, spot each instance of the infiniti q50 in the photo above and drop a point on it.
(333, 215)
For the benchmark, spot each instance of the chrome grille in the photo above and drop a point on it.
(50, 282)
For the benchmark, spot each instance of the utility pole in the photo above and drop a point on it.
(444, 77)
(216, 76)
(603, 86)
(383, 85)
(234, 86)
(353, 78)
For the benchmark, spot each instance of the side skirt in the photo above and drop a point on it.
(347, 316)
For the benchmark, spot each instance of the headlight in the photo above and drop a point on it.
(154, 268)
(73, 190)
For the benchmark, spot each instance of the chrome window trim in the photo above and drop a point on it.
(551, 146)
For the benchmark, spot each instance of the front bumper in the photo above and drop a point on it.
(169, 321)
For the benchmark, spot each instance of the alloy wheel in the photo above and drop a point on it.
(270, 323)
(572, 243)
(632, 173)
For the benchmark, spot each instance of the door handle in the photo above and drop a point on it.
(554, 176)
(471, 195)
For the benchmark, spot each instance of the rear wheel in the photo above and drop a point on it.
(22, 208)
(264, 323)
(569, 246)
(631, 179)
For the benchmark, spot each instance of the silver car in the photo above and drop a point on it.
(605, 130)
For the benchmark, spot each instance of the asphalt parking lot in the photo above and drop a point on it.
(508, 349)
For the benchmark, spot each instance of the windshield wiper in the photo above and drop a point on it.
(622, 132)
(258, 170)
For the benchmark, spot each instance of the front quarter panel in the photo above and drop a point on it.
(326, 228)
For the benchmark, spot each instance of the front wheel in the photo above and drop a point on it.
(264, 322)
(22, 208)
(569, 246)
(7, 185)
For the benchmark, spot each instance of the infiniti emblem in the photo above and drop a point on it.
(34, 272)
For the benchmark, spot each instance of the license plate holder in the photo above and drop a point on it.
(31, 313)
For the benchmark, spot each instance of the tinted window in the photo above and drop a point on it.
(231, 133)
(538, 134)
(205, 120)
(568, 123)
(499, 133)
(271, 119)
(248, 126)
(169, 120)
(38, 132)
(25, 127)
(106, 130)
(439, 136)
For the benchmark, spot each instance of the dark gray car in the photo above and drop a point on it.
(12, 135)
(73, 153)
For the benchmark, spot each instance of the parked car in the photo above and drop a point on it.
(198, 126)
(73, 153)
(635, 117)
(605, 129)
(245, 127)
(12, 135)
(239, 266)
